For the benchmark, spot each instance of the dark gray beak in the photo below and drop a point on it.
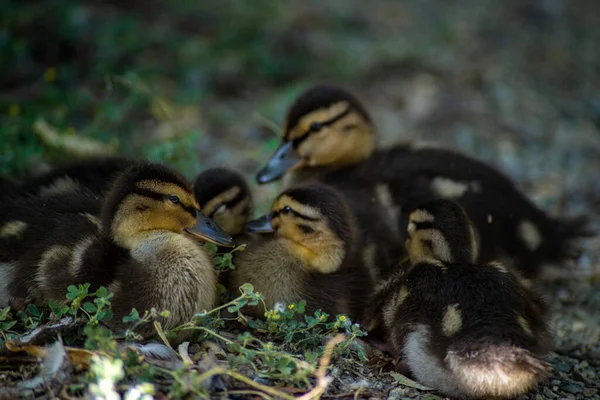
(260, 225)
(208, 231)
(284, 158)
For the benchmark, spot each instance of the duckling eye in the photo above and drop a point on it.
(174, 199)
(316, 126)
(221, 209)
(286, 210)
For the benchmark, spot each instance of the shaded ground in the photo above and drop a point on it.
(515, 83)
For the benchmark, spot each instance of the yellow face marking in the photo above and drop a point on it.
(187, 198)
(530, 235)
(284, 201)
(452, 321)
(525, 325)
(59, 186)
(420, 216)
(425, 244)
(221, 198)
(232, 220)
(13, 229)
(140, 214)
(320, 115)
(320, 250)
(344, 142)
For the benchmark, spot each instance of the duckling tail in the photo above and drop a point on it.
(563, 244)
(495, 371)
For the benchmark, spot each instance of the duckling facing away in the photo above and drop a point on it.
(307, 250)
(329, 135)
(469, 330)
(145, 248)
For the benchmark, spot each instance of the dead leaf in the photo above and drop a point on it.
(183, 353)
(75, 145)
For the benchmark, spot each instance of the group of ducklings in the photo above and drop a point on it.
(435, 250)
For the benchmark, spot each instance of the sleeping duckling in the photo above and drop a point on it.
(466, 329)
(329, 135)
(145, 248)
(307, 250)
(224, 196)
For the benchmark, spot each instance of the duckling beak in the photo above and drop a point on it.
(207, 230)
(260, 225)
(284, 158)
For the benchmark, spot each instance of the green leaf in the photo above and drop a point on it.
(132, 317)
(33, 310)
(6, 325)
(101, 292)
(403, 380)
(90, 308)
(4, 313)
(247, 288)
(211, 248)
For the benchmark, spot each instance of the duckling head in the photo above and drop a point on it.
(224, 196)
(441, 230)
(150, 198)
(315, 225)
(325, 127)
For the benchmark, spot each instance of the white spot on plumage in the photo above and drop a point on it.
(452, 321)
(78, 254)
(391, 307)
(449, 189)
(530, 234)
(524, 325)
(13, 229)
(53, 254)
(92, 218)
(59, 186)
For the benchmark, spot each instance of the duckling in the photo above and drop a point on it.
(145, 248)
(469, 330)
(224, 196)
(96, 174)
(307, 249)
(328, 135)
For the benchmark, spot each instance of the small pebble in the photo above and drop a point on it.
(571, 388)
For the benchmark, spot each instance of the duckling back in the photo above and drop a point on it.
(95, 174)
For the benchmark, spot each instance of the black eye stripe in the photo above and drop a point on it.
(306, 229)
(423, 225)
(323, 124)
(229, 204)
(296, 214)
(163, 197)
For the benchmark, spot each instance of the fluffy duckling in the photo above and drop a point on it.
(96, 174)
(328, 134)
(224, 196)
(469, 330)
(307, 250)
(145, 248)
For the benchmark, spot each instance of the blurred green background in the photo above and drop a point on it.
(203, 83)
